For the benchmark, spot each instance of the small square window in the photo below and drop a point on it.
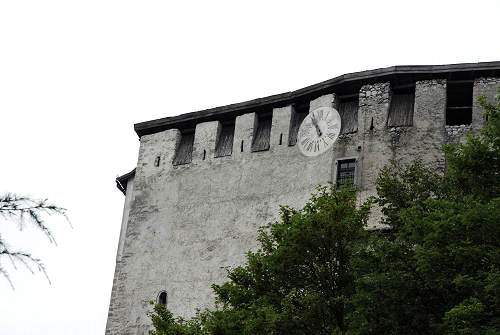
(346, 172)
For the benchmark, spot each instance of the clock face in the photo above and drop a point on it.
(319, 131)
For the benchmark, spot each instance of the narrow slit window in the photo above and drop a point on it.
(224, 145)
(184, 152)
(299, 113)
(459, 103)
(401, 108)
(348, 110)
(262, 134)
(346, 170)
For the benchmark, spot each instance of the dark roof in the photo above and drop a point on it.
(122, 181)
(343, 85)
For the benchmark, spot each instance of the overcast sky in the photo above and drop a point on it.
(76, 75)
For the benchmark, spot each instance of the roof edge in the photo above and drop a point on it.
(157, 125)
(122, 181)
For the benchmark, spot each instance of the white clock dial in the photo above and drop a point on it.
(319, 131)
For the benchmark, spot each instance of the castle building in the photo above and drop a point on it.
(205, 181)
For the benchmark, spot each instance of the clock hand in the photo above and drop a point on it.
(315, 123)
(318, 130)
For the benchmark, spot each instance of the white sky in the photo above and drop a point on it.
(76, 75)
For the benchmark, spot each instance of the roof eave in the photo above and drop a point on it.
(153, 126)
(122, 181)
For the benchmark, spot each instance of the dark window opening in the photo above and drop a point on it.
(299, 113)
(241, 145)
(458, 103)
(371, 125)
(204, 154)
(348, 110)
(262, 133)
(401, 108)
(281, 139)
(157, 161)
(184, 152)
(224, 146)
(346, 170)
(162, 298)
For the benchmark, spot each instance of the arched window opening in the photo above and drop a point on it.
(162, 298)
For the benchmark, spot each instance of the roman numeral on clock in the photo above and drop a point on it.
(320, 114)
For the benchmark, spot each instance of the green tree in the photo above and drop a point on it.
(437, 270)
(298, 280)
(164, 323)
(23, 210)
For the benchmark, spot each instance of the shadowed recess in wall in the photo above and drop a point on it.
(401, 109)
(348, 111)
(263, 132)
(298, 115)
(458, 103)
(184, 152)
(224, 145)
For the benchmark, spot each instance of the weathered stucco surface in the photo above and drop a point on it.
(183, 224)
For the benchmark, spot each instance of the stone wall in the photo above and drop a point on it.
(183, 224)
(482, 86)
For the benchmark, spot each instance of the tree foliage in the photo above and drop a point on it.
(296, 282)
(23, 210)
(435, 270)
